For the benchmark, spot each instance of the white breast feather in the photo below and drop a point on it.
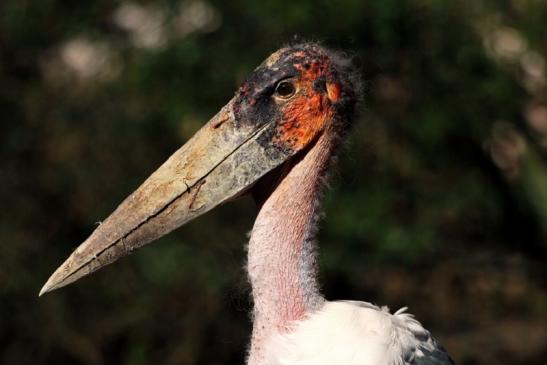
(355, 333)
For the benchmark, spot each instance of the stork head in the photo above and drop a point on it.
(293, 97)
(301, 89)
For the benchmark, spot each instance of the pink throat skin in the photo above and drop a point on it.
(282, 263)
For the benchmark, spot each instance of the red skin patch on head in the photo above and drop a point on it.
(307, 113)
(302, 119)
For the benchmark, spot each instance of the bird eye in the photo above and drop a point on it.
(285, 89)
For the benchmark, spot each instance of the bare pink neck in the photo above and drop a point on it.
(282, 250)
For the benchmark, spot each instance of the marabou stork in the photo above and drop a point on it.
(274, 140)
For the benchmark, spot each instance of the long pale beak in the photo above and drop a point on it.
(223, 159)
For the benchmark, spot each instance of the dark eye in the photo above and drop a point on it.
(285, 89)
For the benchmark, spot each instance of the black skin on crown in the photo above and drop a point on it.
(253, 103)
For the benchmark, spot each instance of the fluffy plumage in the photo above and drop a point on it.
(355, 333)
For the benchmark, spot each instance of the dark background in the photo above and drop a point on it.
(439, 200)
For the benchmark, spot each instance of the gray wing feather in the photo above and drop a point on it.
(430, 353)
(425, 349)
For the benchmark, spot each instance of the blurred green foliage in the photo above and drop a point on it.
(439, 201)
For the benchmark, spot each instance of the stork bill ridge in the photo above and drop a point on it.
(280, 110)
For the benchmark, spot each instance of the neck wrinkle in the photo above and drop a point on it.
(282, 258)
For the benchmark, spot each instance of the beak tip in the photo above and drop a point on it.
(50, 285)
(45, 289)
(54, 282)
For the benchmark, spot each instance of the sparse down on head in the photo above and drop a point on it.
(293, 97)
